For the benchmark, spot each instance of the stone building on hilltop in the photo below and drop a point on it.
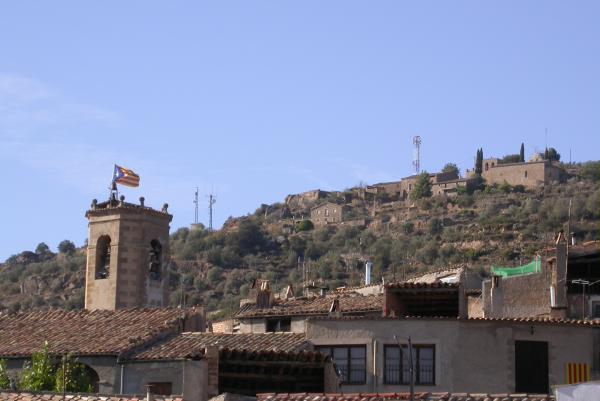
(528, 174)
(327, 213)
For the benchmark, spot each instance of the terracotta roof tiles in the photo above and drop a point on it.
(46, 396)
(98, 332)
(523, 320)
(413, 284)
(349, 303)
(419, 396)
(186, 345)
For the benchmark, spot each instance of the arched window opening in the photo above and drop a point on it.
(155, 267)
(93, 379)
(487, 166)
(103, 257)
(525, 173)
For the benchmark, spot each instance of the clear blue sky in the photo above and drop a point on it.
(260, 99)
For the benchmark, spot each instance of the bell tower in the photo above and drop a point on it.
(127, 255)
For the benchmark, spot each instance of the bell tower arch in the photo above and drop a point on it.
(127, 255)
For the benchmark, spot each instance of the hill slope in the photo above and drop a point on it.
(494, 225)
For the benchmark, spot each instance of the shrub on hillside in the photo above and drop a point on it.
(304, 225)
(590, 171)
(422, 187)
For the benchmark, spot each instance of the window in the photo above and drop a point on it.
(596, 310)
(275, 325)
(102, 257)
(396, 364)
(350, 361)
(161, 388)
(155, 266)
(525, 173)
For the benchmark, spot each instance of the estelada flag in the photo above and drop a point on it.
(125, 177)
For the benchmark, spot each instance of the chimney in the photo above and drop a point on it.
(264, 297)
(559, 275)
(368, 267)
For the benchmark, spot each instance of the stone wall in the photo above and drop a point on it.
(529, 174)
(519, 296)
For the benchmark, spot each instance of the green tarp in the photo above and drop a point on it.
(531, 267)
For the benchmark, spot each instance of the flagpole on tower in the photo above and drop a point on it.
(114, 192)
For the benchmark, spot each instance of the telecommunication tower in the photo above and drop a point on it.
(196, 206)
(417, 154)
(211, 201)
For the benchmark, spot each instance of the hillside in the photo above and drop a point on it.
(492, 225)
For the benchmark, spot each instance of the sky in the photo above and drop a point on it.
(254, 100)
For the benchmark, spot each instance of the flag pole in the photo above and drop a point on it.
(114, 192)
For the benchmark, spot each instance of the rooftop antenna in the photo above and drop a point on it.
(211, 201)
(417, 154)
(196, 206)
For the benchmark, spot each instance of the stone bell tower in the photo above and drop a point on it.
(127, 255)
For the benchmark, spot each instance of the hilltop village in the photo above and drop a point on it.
(452, 331)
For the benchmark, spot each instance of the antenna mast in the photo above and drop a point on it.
(196, 206)
(211, 201)
(417, 154)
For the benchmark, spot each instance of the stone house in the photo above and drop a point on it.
(327, 213)
(529, 174)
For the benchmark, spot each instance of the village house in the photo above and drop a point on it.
(327, 213)
(528, 174)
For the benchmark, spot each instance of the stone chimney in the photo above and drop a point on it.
(559, 273)
(261, 294)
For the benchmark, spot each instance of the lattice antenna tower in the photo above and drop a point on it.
(196, 206)
(212, 199)
(417, 154)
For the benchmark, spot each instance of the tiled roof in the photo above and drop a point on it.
(436, 272)
(45, 396)
(186, 345)
(523, 320)
(403, 396)
(349, 303)
(437, 284)
(98, 332)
